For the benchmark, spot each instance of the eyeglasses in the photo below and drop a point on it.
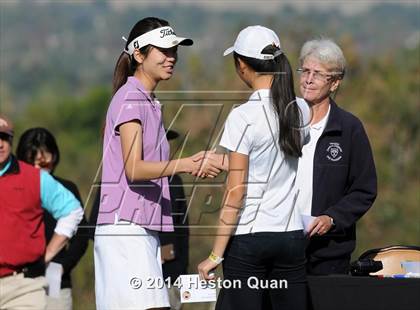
(318, 76)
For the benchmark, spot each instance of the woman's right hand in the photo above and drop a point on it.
(210, 161)
(203, 166)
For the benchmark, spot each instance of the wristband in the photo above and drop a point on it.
(215, 258)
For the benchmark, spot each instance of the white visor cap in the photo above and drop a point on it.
(163, 37)
(252, 40)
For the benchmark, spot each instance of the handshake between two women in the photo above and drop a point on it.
(208, 164)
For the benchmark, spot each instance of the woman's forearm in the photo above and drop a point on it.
(140, 170)
(136, 168)
(233, 201)
(228, 219)
(227, 224)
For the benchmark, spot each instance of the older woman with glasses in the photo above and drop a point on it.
(336, 175)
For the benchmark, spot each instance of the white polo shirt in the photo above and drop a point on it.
(252, 129)
(304, 176)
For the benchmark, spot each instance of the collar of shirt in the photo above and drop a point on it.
(321, 124)
(3, 171)
(136, 82)
(260, 94)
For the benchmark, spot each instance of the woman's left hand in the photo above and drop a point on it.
(320, 226)
(205, 267)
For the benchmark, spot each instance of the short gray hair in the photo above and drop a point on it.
(327, 52)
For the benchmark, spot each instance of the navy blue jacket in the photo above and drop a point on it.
(344, 183)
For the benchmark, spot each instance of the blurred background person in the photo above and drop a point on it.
(336, 175)
(25, 192)
(175, 245)
(38, 147)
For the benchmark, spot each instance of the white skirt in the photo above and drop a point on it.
(128, 268)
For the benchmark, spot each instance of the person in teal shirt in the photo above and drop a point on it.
(23, 254)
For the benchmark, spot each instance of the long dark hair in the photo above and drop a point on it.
(126, 64)
(283, 97)
(35, 139)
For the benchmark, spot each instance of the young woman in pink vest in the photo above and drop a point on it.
(135, 201)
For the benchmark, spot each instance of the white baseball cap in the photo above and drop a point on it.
(163, 37)
(252, 40)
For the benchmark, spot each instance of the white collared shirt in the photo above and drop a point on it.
(305, 171)
(252, 129)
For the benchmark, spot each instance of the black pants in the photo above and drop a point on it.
(266, 258)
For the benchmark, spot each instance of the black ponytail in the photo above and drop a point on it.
(283, 97)
(126, 64)
(284, 102)
(121, 72)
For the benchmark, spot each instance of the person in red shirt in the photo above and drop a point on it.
(25, 192)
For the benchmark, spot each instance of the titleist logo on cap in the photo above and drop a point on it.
(167, 32)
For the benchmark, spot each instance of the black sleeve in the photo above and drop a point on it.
(362, 183)
(75, 250)
(181, 220)
(93, 218)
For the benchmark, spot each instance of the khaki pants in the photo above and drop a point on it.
(174, 298)
(64, 302)
(20, 293)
